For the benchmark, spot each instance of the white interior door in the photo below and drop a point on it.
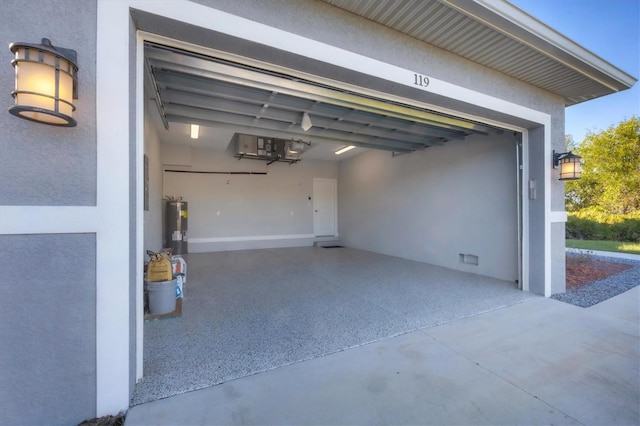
(325, 207)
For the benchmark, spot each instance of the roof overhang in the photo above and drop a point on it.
(498, 35)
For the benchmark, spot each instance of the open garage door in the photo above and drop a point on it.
(206, 90)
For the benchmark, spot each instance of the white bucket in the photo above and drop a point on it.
(162, 297)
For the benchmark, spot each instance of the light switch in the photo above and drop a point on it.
(532, 189)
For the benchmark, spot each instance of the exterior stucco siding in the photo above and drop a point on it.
(42, 164)
(558, 264)
(537, 168)
(48, 317)
(48, 312)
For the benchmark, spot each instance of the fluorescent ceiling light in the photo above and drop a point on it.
(195, 131)
(345, 149)
(306, 122)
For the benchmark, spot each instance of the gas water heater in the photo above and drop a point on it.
(176, 226)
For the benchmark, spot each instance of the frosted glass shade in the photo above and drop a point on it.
(570, 165)
(570, 169)
(45, 83)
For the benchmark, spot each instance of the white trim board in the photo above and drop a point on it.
(249, 238)
(558, 217)
(139, 208)
(207, 245)
(48, 220)
(112, 134)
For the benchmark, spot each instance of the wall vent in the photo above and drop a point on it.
(469, 259)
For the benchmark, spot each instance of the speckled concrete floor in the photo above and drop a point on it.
(254, 310)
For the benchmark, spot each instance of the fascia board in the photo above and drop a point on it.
(506, 18)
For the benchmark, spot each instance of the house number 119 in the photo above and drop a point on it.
(420, 80)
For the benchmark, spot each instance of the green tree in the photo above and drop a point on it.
(569, 143)
(610, 171)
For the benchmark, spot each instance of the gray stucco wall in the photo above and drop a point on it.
(537, 168)
(48, 282)
(41, 164)
(558, 256)
(47, 313)
(557, 144)
(558, 231)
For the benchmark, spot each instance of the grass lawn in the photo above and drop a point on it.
(622, 247)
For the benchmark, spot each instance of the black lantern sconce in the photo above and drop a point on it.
(46, 83)
(569, 164)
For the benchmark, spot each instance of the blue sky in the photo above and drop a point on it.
(611, 30)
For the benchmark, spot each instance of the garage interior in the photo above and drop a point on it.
(426, 209)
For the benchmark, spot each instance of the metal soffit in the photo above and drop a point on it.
(193, 88)
(500, 36)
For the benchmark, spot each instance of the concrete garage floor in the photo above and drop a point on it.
(250, 311)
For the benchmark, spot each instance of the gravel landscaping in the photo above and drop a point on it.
(105, 421)
(590, 286)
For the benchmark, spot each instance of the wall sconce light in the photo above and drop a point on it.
(569, 164)
(46, 83)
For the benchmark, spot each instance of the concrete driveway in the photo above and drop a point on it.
(538, 362)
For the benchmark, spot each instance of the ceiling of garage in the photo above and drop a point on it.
(193, 88)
